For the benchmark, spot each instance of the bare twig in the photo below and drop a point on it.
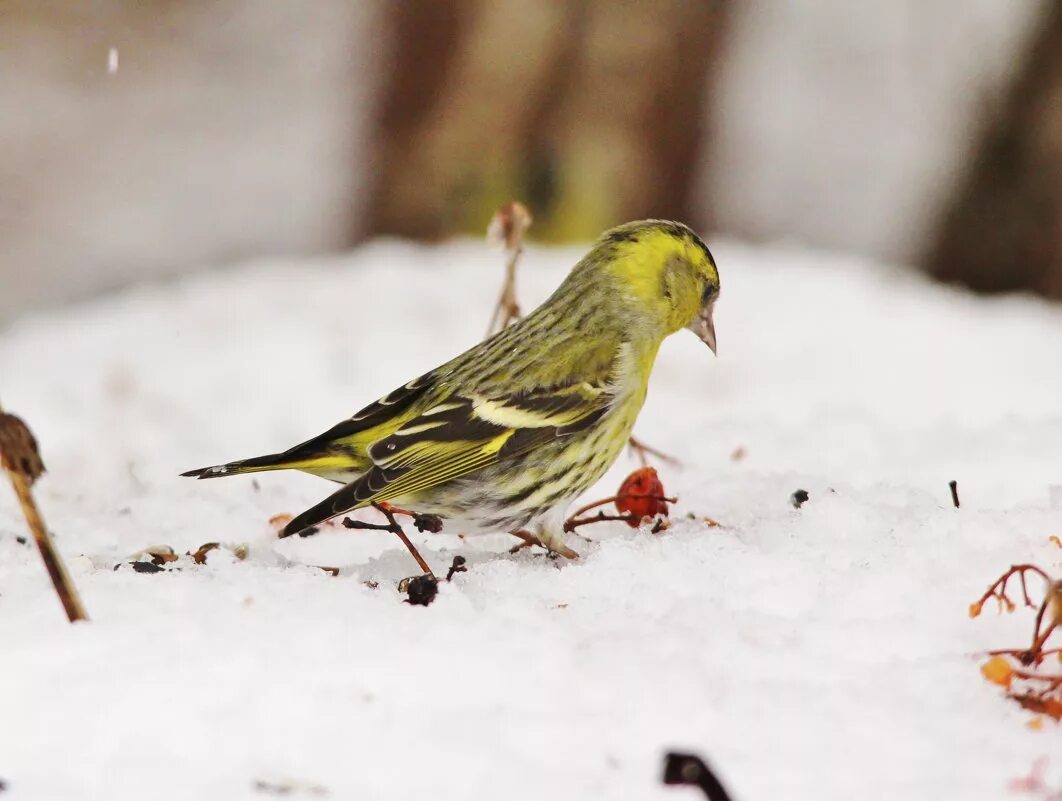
(631, 518)
(954, 487)
(1052, 603)
(21, 459)
(998, 589)
(1050, 682)
(643, 452)
(573, 523)
(1018, 653)
(1050, 607)
(508, 227)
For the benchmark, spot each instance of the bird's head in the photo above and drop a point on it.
(668, 272)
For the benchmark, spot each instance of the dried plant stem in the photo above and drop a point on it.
(1018, 653)
(1052, 682)
(508, 309)
(19, 456)
(573, 523)
(1040, 637)
(644, 451)
(508, 227)
(1038, 642)
(998, 588)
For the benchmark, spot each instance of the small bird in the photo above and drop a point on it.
(503, 437)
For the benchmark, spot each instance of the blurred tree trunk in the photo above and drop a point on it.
(1003, 229)
(591, 112)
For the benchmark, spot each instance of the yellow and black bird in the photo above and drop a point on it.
(506, 435)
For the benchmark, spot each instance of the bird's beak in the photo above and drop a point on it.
(704, 327)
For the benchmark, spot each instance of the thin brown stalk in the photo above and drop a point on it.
(998, 588)
(573, 523)
(21, 459)
(508, 227)
(644, 451)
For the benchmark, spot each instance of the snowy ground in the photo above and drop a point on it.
(819, 653)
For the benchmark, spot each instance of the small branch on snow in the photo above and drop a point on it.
(1045, 698)
(21, 459)
(998, 589)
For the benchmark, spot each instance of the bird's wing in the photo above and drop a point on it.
(342, 448)
(344, 444)
(459, 435)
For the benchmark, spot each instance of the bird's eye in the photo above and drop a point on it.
(708, 294)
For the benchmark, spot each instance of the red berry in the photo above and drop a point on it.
(641, 495)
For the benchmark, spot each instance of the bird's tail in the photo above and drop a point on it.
(274, 461)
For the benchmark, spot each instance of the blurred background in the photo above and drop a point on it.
(140, 140)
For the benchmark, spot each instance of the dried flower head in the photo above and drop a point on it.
(509, 224)
(18, 448)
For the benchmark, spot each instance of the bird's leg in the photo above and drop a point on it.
(392, 526)
(397, 529)
(529, 540)
(422, 522)
(553, 544)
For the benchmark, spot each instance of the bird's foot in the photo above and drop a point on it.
(553, 545)
(393, 526)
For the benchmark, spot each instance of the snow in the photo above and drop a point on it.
(819, 653)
